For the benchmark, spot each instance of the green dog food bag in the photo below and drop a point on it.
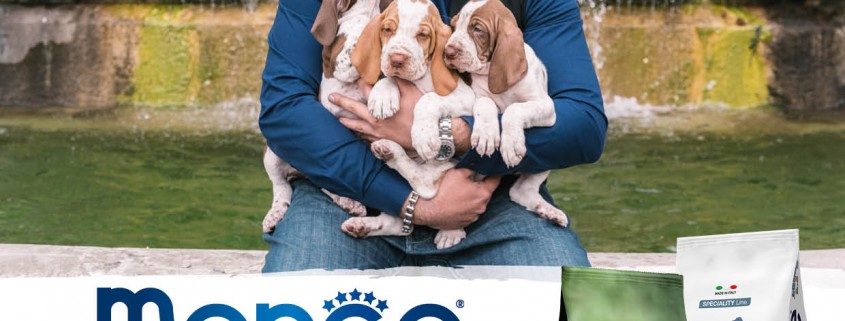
(742, 277)
(591, 294)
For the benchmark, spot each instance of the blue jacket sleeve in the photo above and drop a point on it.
(553, 28)
(306, 135)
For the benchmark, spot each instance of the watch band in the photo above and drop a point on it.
(408, 216)
(447, 141)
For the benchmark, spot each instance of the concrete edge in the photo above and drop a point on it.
(25, 260)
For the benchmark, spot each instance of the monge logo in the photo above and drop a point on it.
(353, 304)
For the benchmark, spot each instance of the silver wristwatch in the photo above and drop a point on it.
(447, 141)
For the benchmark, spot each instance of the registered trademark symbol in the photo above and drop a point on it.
(459, 304)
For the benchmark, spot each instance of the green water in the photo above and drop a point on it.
(109, 181)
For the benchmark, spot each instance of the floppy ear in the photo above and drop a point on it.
(445, 80)
(325, 25)
(507, 64)
(366, 56)
(330, 55)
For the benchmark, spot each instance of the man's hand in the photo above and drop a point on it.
(396, 128)
(459, 202)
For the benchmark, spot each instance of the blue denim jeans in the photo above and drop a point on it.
(309, 237)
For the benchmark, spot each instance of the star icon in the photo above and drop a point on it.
(369, 297)
(341, 297)
(382, 305)
(328, 305)
(356, 296)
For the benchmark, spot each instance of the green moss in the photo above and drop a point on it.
(652, 69)
(167, 60)
(230, 63)
(734, 71)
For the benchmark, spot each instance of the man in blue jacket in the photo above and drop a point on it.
(330, 155)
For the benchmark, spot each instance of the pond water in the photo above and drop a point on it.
(194, 179)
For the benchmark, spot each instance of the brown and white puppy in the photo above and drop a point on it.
(406, 41)
(507, 78)
(337, 27)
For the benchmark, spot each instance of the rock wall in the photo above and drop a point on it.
(96, 56)
(114, 53)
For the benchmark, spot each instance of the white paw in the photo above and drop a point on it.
(551, 213)
(512, 147)
(449, 238)
(426, 140)
(385, 149)
(384, 100)
(361, 227)
(274, 215)
(485, 137)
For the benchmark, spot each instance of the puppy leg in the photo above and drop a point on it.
(278, 170)
(384, 98)
(425, 131)
(384, 224)
(485, 132)
(348, 205)
(449, 238)
(526, 192)
(422, 177)
(516, 118)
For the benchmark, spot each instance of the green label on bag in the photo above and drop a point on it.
(726, 303)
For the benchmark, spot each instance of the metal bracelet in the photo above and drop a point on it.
(408, 216)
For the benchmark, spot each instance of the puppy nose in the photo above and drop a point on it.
(451, 52)
(398, 59)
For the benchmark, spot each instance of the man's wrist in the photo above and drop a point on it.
(461, 133)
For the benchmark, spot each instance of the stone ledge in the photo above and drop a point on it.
(23, 260)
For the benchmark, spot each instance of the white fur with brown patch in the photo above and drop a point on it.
(524, 104)
(412, 19)
(344, 79)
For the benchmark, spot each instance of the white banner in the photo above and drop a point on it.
(402, 294)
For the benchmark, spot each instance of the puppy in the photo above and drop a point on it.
(507, 78)
(406, 41)
(337, 27)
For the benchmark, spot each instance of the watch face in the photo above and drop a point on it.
(446, 151)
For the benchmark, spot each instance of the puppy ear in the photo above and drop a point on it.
(330, 54)
(508, 64)
(344, 5)
(325, 25)
(366, 56)
(445, 79)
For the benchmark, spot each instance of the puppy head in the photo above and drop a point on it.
(406, 40)
(326, 31)
(488, 41)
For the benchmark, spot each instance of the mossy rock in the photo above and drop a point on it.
(734, 69)
(655, 70)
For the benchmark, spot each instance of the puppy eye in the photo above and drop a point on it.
(477, 29)
(423, 35)
(387, 30)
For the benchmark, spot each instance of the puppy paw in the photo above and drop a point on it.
(512, 147)
(351, 206)
(274, 215)
(361, 227)
(551, 213)
(485, 137)
(384, 100)
(385, 149)
(449, 238)
(426, 140)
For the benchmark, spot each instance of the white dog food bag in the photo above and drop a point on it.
(742, 277)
